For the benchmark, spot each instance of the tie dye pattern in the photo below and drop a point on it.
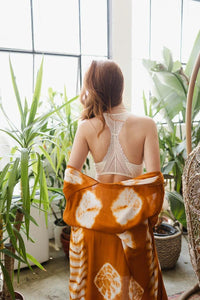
(112, 250)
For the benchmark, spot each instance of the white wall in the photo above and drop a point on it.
(121, 42)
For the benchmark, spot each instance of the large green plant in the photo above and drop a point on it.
(33, 127)
(168, 97)
(11, 242)
(56, 149)
(170, 82)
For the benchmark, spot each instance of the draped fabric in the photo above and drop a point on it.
(112, 250)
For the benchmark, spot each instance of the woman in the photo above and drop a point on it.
(112, 248)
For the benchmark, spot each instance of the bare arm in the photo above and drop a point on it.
(79, 149)
(151, 147)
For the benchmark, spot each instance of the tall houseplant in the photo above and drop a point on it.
(56, 150)
(12, 246)
(168, 97)
(8, 180)
(31, 171)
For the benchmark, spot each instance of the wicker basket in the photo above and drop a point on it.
(168, 249)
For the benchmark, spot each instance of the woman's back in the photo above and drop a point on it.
(132, 134)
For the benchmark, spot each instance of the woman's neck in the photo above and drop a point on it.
(118, 109)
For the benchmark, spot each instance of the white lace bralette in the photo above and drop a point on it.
(115, 161)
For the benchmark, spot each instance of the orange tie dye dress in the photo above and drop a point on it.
(112, 250)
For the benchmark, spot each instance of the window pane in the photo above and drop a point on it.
(140, 28)
(22, 66)
(56, 25)
(191, 26)
(165, 27)
(57, 73)
(15, 24)
(94, 27)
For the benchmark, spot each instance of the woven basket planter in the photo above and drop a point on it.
(168, 248)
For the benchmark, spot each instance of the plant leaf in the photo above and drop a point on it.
(36, 174)
(193, 56)
(172, 82)
(167, 55)
(25, 184)
(177, 207)
(25, 109)
(12, 180)
(167, 169)
(22, 249)
(11, 254)
(46, 154)
(36, 95)
(12, 136)
(19, 103)
(44, 197)
(8, 280)
(34, 260)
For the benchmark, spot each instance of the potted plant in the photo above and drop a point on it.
(56, 148)
(56, 151)
(61, 229)
(168, 98)
(31, 171)
(12, 246)
(167, 235)
(57, 205)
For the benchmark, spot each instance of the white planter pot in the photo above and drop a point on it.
(40, 236)
(57, 232)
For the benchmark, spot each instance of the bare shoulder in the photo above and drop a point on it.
(89, 126)
(141, 122)
(82, 124)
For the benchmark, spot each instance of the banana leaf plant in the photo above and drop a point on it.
(170, 81)
(177, 206)
(33, 127)
(168, 96)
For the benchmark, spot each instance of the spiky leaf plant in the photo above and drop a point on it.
(33, 127)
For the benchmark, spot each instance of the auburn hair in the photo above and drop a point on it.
(102, 89)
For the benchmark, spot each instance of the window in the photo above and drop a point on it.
(67, 33)
(158, 23)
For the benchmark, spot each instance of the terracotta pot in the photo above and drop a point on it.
(65, 239)
(18, 296)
